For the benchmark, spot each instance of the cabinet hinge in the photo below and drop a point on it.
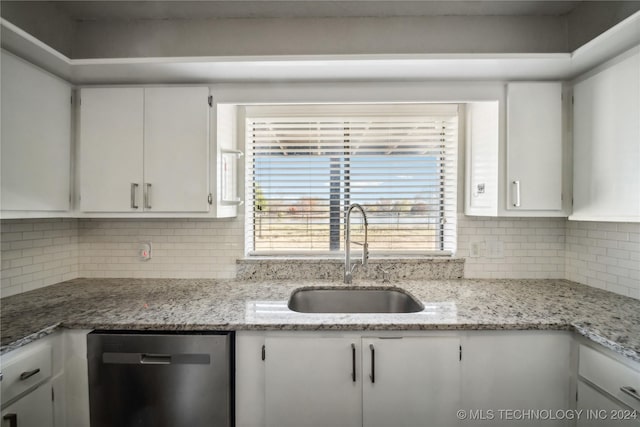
(460, 354)
(264, 352)
(210, 100)
(71, 99)
(53, 395)
(210, 199)
(572, 100)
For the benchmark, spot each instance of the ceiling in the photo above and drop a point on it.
(135, 10)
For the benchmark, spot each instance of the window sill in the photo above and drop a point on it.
(305, 268)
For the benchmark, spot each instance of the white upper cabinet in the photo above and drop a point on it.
(606, 142)
(111, 149)
(144, 150)
(534, 146)
(482, 158)
(516, 155)
(36, 140)
(176, 149)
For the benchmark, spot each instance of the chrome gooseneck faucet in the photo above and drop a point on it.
(348, 268)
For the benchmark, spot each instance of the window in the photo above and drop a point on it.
(307, 164)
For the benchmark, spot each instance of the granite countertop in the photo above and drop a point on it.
(185, 304)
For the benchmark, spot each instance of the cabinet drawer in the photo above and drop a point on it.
(24, 370)
(610, 375)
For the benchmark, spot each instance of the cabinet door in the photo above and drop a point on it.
(176, 149)
(596, 410)
(309, 382)
(534, 146)
(520, 370)
(111, 150)
(36, 138)
(606, 144)
(33, 410)
(416, 381)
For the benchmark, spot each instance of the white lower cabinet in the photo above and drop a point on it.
(360, 381)
(508, 376)
(597, 409)
(608, 389)
(310, 382)
(33, 410)
(44, 383)
(410, 381)
(27, 387)
(404, 378)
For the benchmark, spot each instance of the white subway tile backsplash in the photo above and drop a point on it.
(37, 253)
(182, 248)
(533, 247)
(617, 256)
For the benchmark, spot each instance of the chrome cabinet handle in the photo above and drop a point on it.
(372, 375)
(517, 202)
(12, 418)
(147, 196)
(28, 374)
(353, 362)
(134, 195)
(627, 389)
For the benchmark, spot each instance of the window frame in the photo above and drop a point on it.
(266, 111)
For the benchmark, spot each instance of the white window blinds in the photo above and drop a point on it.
(304, 170)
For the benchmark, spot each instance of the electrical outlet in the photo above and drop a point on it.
(475, 249)
(144, 251)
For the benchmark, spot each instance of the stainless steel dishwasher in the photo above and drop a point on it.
(160, 380)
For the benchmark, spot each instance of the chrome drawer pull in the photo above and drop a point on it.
(28, 374)
(627, 389)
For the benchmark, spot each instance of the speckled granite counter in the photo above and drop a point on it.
(176, 304)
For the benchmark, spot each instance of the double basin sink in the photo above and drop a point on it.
(353, 300)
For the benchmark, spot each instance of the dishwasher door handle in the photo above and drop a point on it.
(156, 359)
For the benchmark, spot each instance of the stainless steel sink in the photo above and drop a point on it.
(350, 300)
